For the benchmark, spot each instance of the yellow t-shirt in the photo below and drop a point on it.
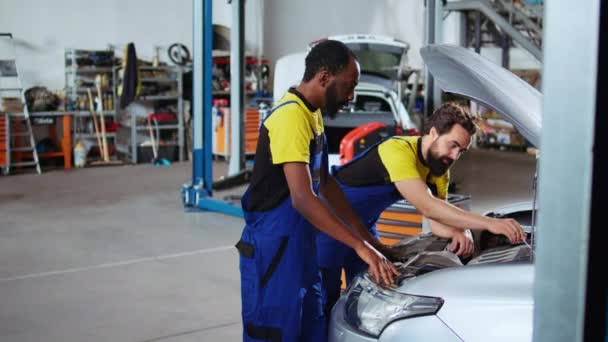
(288, 135)
(402, 162)
(290, 130)
(396, 159)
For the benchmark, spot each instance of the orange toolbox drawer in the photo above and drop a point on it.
(402, 219)
(4, 140)
(221, 133)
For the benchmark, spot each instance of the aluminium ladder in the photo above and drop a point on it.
(17, 144)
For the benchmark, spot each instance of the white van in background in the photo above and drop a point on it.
(376, 99)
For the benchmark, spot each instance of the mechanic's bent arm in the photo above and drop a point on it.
(441, 230)
(306, 202)
(416, 192)
(334, 195)
(462, 241)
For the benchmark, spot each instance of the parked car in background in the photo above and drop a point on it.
(376, 96)
(439, 296)
(383, 59)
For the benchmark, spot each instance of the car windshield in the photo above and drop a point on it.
(368, 104)
(378, 59)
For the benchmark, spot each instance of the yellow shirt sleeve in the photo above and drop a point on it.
(290, 134)
(399, 159)
(442, 183)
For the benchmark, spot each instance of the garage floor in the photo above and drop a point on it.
(108, 254)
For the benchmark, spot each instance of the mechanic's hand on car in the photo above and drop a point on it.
(507, 227)
(380, 268)
(462, 244)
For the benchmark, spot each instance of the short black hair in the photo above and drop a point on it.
(448, 115)
(330, 55)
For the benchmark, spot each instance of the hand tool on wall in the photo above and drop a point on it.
(156, 160)
(92, 109)
(104, 141)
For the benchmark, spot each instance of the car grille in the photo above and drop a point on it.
(519, 253)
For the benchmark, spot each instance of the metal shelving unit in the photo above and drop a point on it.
(75, 75)
(158, 97)
(128, 140)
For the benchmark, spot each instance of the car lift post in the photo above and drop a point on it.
(433, 35)
(237, 88)
(197, 194)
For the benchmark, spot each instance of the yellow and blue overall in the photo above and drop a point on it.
(280, 279)
(368, 181)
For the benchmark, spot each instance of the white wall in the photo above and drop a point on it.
(44, 28)
(291, 24)
(518, 58)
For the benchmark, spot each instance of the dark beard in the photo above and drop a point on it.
(331, 102)
(436, 166)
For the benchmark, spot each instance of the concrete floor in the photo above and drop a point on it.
(108, 254)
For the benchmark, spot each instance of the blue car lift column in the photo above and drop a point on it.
(198, 194)
(434, 27)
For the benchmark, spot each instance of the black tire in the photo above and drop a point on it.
(179, 54)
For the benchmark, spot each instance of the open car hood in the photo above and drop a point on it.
(464, 72)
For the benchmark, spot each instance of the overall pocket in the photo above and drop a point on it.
(274, 262)
(250, 288)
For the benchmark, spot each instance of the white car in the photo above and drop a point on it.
(439, 296)
(379, 56)
(376, 96)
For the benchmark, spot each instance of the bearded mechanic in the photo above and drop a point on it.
(281, 289)
(417, 169)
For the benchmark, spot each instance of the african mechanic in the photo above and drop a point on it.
(281, 289)
(415, 168)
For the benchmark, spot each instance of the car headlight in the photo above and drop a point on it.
(369, 308)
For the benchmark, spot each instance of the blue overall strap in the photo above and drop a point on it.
(428, 176)
(324, 156)
(325, 161)
(312, 128)
(245, 198)
(275, 108)
(336, 168)
(431, 186)
(402, 138)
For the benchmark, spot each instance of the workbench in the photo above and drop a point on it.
(66, 142)
(66, 138)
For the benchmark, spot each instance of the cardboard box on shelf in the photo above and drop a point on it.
(11, 105)
(531, 76)
(497, 131)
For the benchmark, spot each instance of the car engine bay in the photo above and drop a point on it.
(426, 253)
